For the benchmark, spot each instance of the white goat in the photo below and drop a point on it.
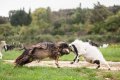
(91, 53)
(2, 45)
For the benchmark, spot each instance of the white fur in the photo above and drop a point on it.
(89, 52)
(0, 55)
(2, 44)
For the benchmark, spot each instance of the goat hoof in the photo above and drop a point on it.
(109, 69)
(71, 62)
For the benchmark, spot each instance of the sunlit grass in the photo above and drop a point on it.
(10, 55)
(111, 54)
(8, 72)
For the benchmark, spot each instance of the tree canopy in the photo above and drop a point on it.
(20, 17)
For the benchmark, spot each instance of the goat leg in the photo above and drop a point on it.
(107, 65)
(74, 59)
(78, 56)
(78, 60)
(98, 63)
(56, 62)
(98, 66)
(38, 60)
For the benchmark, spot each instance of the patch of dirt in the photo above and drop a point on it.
(113, 65)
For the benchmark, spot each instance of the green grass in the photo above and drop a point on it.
(10, 55)
(8, 72)
(111, 54)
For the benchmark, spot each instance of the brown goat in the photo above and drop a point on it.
(41, 51)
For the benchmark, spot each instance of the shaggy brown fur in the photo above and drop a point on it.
(41, 51)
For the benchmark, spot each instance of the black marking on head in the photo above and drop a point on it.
(75, 49)
(63, 47)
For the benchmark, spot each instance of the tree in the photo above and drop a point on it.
(82, 15)
(79, 15)
(114, 9)
(49, 14)
(40, 16)
(3, 20)
(112, 23)
(20, 17)
(100, 13)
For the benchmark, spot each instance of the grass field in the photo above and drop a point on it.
(8, 72)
